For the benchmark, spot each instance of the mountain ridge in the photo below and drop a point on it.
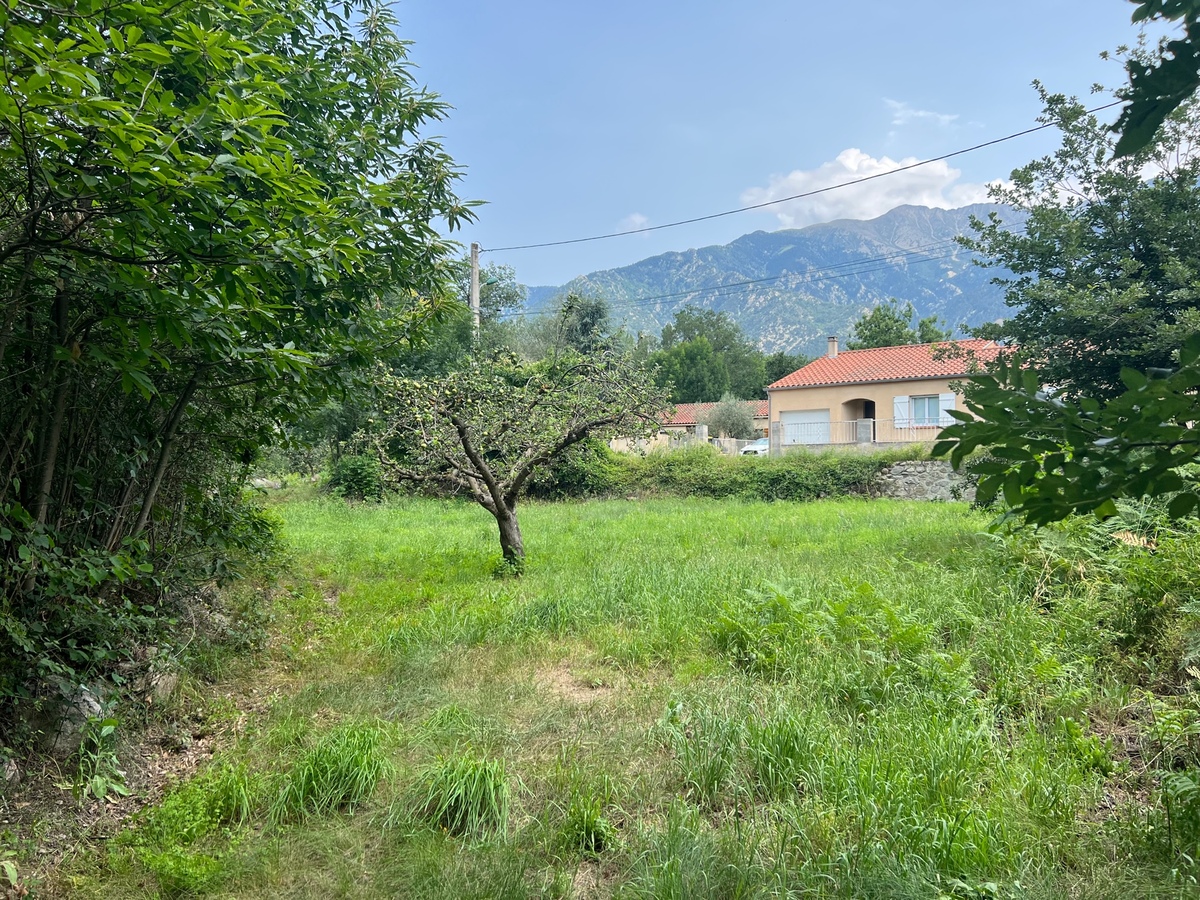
(790, 288)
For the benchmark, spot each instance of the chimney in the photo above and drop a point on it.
(832, 346)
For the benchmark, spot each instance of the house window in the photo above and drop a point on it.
(925, 410)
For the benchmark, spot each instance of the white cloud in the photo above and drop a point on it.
(936, 185)
(633, 222)
(904, 114)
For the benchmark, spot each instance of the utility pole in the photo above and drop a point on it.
(475, 287)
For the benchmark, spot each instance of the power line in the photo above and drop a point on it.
(742, 287)
(825, 273)
(801, 196)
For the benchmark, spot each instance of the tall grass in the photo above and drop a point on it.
(465, 794)
(718, 698)
(339, 772)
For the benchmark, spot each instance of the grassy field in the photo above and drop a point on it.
(679, 699)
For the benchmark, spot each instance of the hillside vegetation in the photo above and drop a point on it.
(788, 289)
(700, 698)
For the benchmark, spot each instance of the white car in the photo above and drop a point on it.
(761, 447)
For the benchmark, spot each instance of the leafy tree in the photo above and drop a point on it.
(704, 350)
(693, 371)
(730, 418)
(211, 215)
(485, 429)
(782, 363)
(582, 323)
(1105, 273)
(1101, 403)
(890, 325)
(1054, 456)
(1157, 88)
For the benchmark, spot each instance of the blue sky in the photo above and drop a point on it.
(574, 119)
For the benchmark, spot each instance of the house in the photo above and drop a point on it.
(686, 416)
(678, 427)
(886, 395)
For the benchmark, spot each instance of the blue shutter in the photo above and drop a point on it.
(945, 402)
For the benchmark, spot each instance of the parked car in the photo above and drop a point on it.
(761, 447)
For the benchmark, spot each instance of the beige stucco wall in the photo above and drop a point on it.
(844, 403)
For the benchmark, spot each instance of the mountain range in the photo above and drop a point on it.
(789, 289)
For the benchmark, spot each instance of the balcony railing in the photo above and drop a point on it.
(858, 431)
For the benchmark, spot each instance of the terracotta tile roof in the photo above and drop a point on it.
(691, 413)
(890, 364)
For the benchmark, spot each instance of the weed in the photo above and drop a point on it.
(706, 743)
(465, 795)
(98, 772)
(586, 829)
(781, 749)
(339, 772)
(223, 796)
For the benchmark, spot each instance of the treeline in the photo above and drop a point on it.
(199, 240)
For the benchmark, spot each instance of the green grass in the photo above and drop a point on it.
(695, 698)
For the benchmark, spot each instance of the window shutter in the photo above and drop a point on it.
(900, 411)
(945, 402)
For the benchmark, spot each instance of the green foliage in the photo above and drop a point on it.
(730, 418)
(466, 795)
(890, 325)
(702, 472)
(705, 355)
(1181, 802)
(586, 829)
(1158, 88)
(183, 873)
(705, 742)
(1057, 455)
(588, 469)
(185, 840)
(781, 749)
(356, 477)
(781, 364)
(339, 772)
(1097, 262)
(210, 225)
(222, 798)
(98, 771)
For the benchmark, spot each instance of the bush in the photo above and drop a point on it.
(79, 612)
(356, 478)
(702, 472)
(589, 469)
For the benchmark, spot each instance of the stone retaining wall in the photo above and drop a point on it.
(922, 479)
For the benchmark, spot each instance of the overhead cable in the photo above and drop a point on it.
(800, 196)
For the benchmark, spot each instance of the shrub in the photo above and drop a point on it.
(703, 472)
(356, 478)
(588, 469)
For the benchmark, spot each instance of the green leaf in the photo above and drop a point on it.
(1182, 504)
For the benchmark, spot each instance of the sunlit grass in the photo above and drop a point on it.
(678, 699)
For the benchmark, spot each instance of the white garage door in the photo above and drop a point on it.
(805, 426)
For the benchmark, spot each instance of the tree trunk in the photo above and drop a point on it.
(510, 535)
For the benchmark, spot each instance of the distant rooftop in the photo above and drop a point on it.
(693, 413)
(946, 359)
